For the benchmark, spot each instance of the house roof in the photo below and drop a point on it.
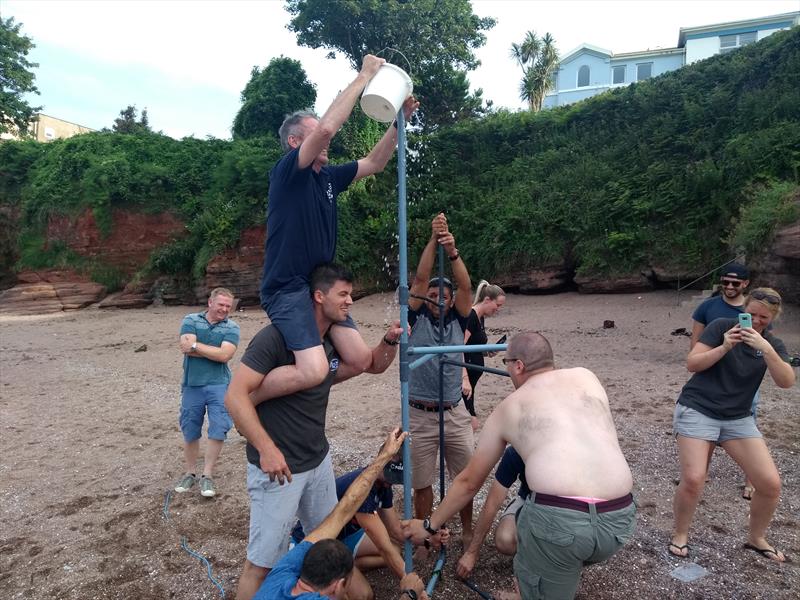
(575, 52)
(784, 19)
(590, 49)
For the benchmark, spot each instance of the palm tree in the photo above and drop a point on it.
(538, 59)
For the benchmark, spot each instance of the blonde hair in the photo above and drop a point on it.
(220, 291)
(487, 290)
(768, 298)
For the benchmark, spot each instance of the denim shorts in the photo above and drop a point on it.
(194, 401)
(292, 312)
(694, 424)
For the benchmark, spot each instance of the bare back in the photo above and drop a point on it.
(560, 423)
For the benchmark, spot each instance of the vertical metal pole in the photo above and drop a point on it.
(403, 298)
(440, 358)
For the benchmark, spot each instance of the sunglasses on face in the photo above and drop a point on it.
(726, 282)
(766, 297)
(506, 361)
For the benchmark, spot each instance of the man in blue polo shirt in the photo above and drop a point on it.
(302, 231)
(208, 341)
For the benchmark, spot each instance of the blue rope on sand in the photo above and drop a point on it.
(203, 560)
(165, 510)
(185, 546)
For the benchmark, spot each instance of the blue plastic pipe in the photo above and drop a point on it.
(403, 293)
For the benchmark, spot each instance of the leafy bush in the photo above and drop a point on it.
(768, 207)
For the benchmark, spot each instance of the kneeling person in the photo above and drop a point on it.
(510, 469)
(580, 510)
(375, 529)
(322, 567)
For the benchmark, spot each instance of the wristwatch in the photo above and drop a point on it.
(410, 593)
(426, 525)
(194, 346)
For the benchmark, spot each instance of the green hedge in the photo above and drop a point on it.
(667, 172)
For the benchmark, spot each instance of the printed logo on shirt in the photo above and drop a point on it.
(330, 192)
(334, 366)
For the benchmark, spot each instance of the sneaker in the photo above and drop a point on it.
(185, 484)
(207, 487)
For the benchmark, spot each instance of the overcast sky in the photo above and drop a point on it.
(187, 61)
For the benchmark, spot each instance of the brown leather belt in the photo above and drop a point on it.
(572, 504)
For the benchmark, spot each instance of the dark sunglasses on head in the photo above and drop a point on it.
(728, 282)
(772, 299)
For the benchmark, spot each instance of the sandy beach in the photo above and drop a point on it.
(90, 445)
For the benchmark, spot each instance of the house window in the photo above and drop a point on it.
(618, 74)
(732, 42)
(583, 76)
(644, 71)
(49, 133)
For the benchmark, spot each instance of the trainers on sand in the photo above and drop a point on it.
(185, 484)
(207, 487)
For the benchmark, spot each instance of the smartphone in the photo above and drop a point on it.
(502, 340)
(745, 320)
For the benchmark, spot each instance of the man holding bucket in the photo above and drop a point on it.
(302, 231)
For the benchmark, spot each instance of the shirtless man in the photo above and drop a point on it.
(580, 510)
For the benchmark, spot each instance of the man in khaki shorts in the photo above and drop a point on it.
(580, 510)
(423, 316)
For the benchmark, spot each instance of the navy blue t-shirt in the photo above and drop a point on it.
(379, 497)
(301, 221)
(510, 469)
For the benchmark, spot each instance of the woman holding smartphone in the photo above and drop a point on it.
(488, 300)
(728, 364)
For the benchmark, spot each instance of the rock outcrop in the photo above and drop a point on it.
(779, 268)
(238, 268)
(132, 238)
(49, 292)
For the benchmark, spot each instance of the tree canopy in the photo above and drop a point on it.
(281, 88)
(16, 78)
(127, 121)
(438, 38)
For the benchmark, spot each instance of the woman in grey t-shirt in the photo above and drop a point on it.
(728, 364)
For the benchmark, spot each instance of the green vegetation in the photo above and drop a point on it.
(271, 94)
(670, 172)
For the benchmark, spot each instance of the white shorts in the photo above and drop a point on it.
(275, 508)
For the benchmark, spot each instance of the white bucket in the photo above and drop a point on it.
(385, 93)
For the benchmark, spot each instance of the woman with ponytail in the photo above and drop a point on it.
(488, 300)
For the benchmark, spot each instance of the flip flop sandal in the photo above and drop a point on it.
(747, 493)
(766, 552)
(679, 549)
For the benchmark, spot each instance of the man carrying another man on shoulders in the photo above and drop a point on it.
(289, 471)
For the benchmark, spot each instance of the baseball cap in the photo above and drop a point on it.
(393, 472)
(735, 270)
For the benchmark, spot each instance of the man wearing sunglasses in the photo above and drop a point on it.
(580, 510)
(727, 305)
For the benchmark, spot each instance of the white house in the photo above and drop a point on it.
(588, 70)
